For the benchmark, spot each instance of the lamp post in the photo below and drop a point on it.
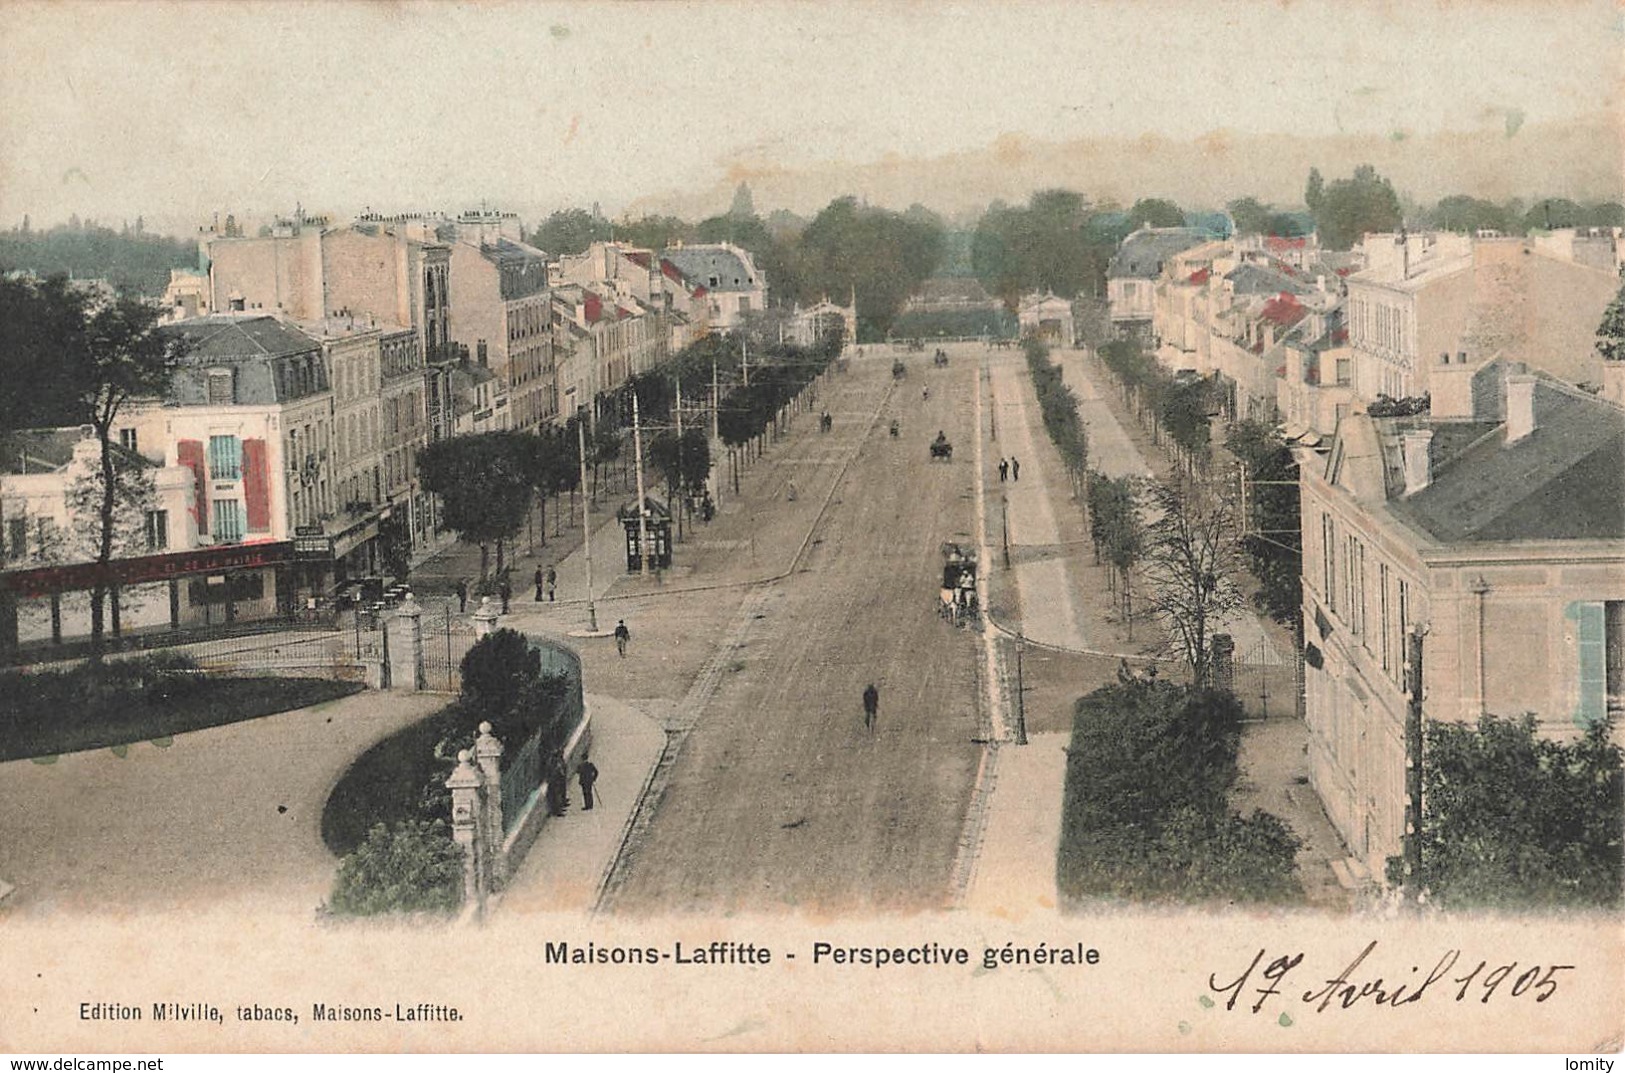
(586, 520)
(643, 514)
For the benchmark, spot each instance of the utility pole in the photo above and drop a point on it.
(643, 513)
(1413, 765)
(744, 358)
(586, 523)
(1021, 690)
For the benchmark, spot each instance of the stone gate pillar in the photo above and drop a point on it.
(1223, 669)
(405, 645)
(488, 755)
(467, 788)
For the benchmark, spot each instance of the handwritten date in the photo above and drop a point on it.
(1356, 984)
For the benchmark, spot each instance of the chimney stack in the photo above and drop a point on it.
(1415, 443)
(1520, 406)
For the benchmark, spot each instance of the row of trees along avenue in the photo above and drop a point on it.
(489, 482)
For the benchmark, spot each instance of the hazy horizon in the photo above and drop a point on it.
(175, 112)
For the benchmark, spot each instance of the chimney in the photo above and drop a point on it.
(1418, 469)
(1520, 406)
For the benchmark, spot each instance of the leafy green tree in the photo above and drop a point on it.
(131, 260)
(1155, 212)
(1314, 191)
(1272, 528)
(1250, 214)
(1554, 212)
(495, 671)
(884, 256)
(570, 231)
(1514, 820)
(484, 484)
(1459, 212)
(1145, 813)
(413, 867)
(40, 321)
(655, 233)
(1350, 208)
(1611, 332)
(121, 357)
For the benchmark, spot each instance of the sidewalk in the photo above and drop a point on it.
(228, 817)
(571, 857)
(1015, 870)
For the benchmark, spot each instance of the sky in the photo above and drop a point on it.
(113, 108)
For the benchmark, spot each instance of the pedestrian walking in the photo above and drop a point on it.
(587, 772)
(505, 590)
(558, 784)
(552, 583)
(1015, 468)
(540, 579)
(622, 635)
(1004, 470)
(462, 595)
(871, 706)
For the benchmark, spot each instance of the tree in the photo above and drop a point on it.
(1459, 212)
(123, 357)
(570, 231)
(1314, 191)
(1272, 541)
(41, 323)
(1514, 820)
(882, 256)
(1155, 212)
(495, 671)
(1350, 208)
(1145, 812)
(410, 868)
(484, 484)
(1250, 214)
(1190, 559)
(1611, 332)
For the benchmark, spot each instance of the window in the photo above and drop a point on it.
(1344, 371)
(16, 538)
(220, 388)
(1383, 623)
(157, 530)
(1328, 565)
(126, 439)
(228, 520)
(1614, 654)
(225, 458)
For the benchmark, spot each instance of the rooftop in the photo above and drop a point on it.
(1142, 253)
(1563, 481)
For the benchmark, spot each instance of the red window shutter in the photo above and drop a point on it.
(256, 486)
(190, 455)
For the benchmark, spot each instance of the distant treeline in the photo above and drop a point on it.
(129, 258)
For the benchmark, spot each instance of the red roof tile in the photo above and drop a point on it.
(1200, 275)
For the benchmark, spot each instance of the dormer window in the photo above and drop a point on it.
(219, 387)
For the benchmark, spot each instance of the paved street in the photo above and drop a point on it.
(780, 797)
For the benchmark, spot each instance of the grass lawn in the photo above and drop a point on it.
(126, 701)
(384, 785)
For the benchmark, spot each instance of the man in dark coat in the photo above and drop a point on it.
(1015, 468)
(622, 636)
(552, 583)
(540, 579)
(558, 784)
(871, 705)
(587, 772)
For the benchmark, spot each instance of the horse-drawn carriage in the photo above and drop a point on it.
(957, 599)
(916, 346)
(940, 359)
(941, 448)
(898, 369)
